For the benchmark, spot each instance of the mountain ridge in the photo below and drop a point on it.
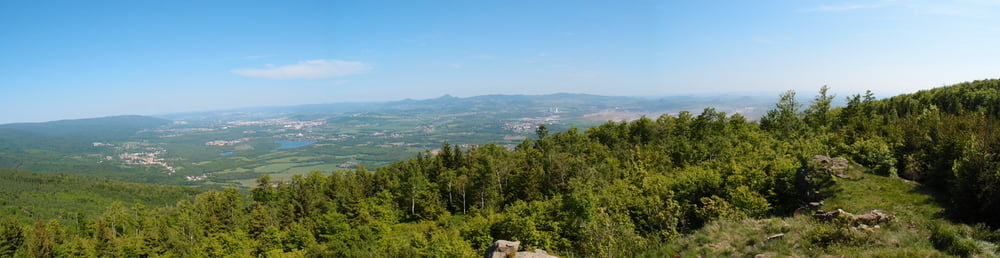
(691, 102)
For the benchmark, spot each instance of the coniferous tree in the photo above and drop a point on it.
(11, 236)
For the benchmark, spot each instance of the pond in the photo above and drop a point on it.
(292, 144)
(226, 153)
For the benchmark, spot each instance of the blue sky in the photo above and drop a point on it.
(76, 59)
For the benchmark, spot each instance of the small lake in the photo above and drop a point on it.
(226, 153)
(292, 144)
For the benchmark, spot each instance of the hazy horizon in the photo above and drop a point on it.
(68, 59)
(242, 108)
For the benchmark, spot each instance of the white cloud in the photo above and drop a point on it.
(312, 69)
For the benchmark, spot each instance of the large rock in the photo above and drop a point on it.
(538, 253)
(504, 249)
(501, 248)
(832, 165)
(874, 217)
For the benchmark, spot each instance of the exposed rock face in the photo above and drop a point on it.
(504, 249)
(538, 253)
(833, 165)
(501, 248)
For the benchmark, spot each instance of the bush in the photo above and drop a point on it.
(945, 239)
(749, 203)
(824, 235)
(875, 154)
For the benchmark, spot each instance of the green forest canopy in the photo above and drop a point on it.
(618, 189)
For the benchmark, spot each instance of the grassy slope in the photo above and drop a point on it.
(918, 231)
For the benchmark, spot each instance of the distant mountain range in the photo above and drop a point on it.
(749, 106)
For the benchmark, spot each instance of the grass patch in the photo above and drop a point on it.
(319, 167)
(918, 230)
(277, 168)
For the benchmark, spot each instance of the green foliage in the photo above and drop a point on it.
(818, 116)
(623, 187)
(873, 153)
(828, 234)
(699, 184)
(715, 208)
(34, 195)
(974, 188)
(943, 137)
(427, 239)
(535, 224)
(749, 203)
(74, 135)
(946, 239)
(785, 120)
(11, 237)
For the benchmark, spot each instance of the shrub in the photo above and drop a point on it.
(945, 239)
(875, 154)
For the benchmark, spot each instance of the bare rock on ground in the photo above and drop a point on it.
(504, 248)
(865, 222)
(874, 217)
(501, 248)
(538, 253)
(825, 216)
(832, 165)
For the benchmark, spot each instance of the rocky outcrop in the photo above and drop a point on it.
(867, 221)
(874, 217)
(832, 165)
(504, 249)
(538, 253)
(827, 216)
(501, 248)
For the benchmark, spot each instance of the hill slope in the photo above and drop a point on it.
(67, 146)
(26, 194)
(74, 135)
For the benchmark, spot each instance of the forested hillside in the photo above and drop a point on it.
(616, 190)
(67, 146)
(33, 195)
(74, 135)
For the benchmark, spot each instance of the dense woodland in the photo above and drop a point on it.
(31, 195)
(614, 190)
